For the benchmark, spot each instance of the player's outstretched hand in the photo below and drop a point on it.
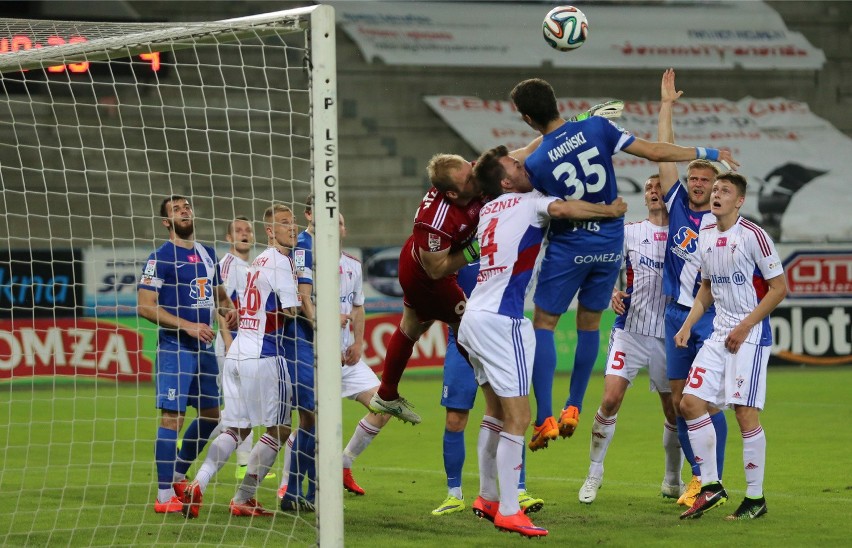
(668, 93)
(617, 301)
(727, 160)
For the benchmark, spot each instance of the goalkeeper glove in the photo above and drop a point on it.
(610, 109)
(471, 252)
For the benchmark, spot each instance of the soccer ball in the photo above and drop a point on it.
(565, 28)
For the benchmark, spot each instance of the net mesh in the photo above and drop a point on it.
(98, 123)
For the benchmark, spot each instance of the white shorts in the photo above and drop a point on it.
(257, 392)
(501, 349)
(724, 379)
(356, 379)
(630, 352)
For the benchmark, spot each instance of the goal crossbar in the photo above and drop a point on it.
(147, 41)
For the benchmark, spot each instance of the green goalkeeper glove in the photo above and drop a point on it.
(471, 252)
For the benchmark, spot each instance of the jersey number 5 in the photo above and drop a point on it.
(488, 247)
(576, 188)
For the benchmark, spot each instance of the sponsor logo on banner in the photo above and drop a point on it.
(819, 274)
(429, 351)
(813, 335)
(71, 347)
(40, 283)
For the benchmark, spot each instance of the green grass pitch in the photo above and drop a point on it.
(78, 470)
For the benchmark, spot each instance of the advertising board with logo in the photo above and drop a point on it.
(72, 347)
(813, 326)
(40, 283)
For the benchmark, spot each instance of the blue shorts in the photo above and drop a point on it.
(459, 381)
(299, 352)
(564, 273)
(679, 360)
(186, 378)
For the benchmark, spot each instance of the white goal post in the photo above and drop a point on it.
(98, 123)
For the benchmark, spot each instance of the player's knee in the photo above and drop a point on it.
(457, 420)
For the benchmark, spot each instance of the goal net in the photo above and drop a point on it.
(99, 122)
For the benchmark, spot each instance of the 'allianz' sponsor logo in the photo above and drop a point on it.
(646, 261)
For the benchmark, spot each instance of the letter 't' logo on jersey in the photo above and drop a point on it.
(201, 289)
(686, 239)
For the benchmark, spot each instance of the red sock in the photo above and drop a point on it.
(396, 358)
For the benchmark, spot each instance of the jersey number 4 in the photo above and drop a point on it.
(488, 247)
(576, 188)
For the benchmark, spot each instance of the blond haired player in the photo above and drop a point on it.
(256, 382)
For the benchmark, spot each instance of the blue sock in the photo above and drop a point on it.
(194, 440)
(522, 480)
(298, 464)
(720, 424)
(454, 454)
(544, 367)
(311, 464)
(588, 345)
(165, 451)
(685, 446)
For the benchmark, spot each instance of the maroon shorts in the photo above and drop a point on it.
(441, 300)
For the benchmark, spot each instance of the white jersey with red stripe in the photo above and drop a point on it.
(233, 271)
(511, 229)
(270, 286)
(644, 251)
(351, 294)
(738, 262)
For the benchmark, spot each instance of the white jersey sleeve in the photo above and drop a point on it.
(351, 294)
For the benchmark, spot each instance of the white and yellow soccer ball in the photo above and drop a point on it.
(565, 28)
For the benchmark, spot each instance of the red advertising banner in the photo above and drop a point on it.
(819, 274)
(428, 352)
(71, 347)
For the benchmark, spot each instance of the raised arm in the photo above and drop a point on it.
(667, 152)
(665, 131)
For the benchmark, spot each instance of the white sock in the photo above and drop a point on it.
(509, 462)
(361, 438)
(486, 450)
(218, 453)
(674, 456)
(165, 495)
(702, 437)
(261, 459)
(754, 461)
(288, 453)
(456, 492)
(603, 429)
(244, 450)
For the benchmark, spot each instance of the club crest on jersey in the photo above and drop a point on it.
(299, 258)
(434, 242)
(733, 248)
(201, 289)
(150, 268)
(172, 394)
